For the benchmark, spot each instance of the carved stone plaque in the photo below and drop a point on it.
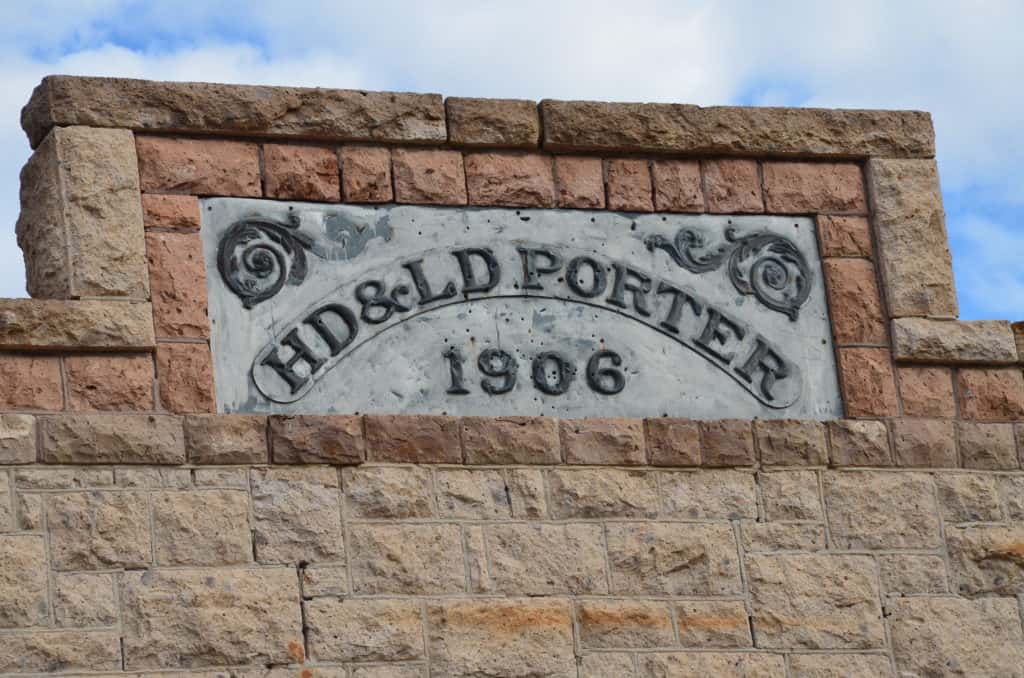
(339, 309)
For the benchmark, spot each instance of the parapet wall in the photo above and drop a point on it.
(143, 533)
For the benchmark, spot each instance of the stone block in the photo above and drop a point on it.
(98, 530)
(198, 166)
(510, 179)
(323, 580)
(293, 172)
(987, 559)
(226, 439)
(840, 666)
(30, 382)
(418, 439)
(611, 442)
(179, 212)
(854, 302)
(1011, 489)
(844, 236)
(153, 477)
(905, 574)
(80, 227)
(728, 442)
(991, 393)
(987, 446)
(29, 510)
(296, 515)
(41, 651)
(379, 671)
(472, 494)
(178, 276)
(732, 185)
(607, 665)
(816, 602)
(859, 443)
(416, 559)
(513, 638)
(624, 624)
(713, 623)
(331, 439)
(528, 493)
(8, 520)
(428, 176)
(544, 559)
(791, 495)
(788, 442)
(718, 664)
(579, 182)
(761, 537)
(708, 495)
(629, 185)
(882, 510)
(813, 187)
(364, 630)
(24, 585)
(924, 442)
(946, 342)
(511, 440)
(84, 599)
(388, 492)
(677, 186)
(109, 383)
(185, 372)
(498, 123)
(926, 391)
(868, 382)
(51, 324)
(246, 616)
(366, 174)
(602, 493)
(234, 478)
(969, 497)
(673, 559)
(673, 442)
(49, 478)
(954, 636)
(202, 527)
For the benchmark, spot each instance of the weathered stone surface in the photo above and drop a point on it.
(991, 393)
(429, 176)
(413, 438)
(46, 651)
(221, 477)
(186, 377)
(98, 530)
(198, 166)
(672, 442)
(8, 520)
(987, 446)
(1012, 490)
(840, 666)
(924, 442)
(301, 173)
(579, 182)
(84, 599)
(109, 383)
(673, 559)
(988, 342)
(151, 477)
(478, 574)
(296, 515)
(957, 637)
(30, 382)
(364, 630)
(760, 537)
(246, 616)
(499, 123)
(968, 497)
(17, 439)
(911, 574)
(677, 186)
(49, 478)
(179, 212)
(913, 246)
(714, 623)
(869, 388)
(334, 439)
(380, 671)
(987, 559)
(732, 186)
(511, 440)
(513, 638)
(708, 495)
(812, 187)
(323, 580)
(854, 302)
(510, 179)
(718, 664)
(682, 128)
(233, 109)
(417, 559)
(791, 495)
(927, 391)
(178, 275)
(226, 439)
(607, 665)
(473, 494)
(815, 601)
(24, 589)
(80, 226)
(388, 492)
(601, 493)
(859, 443)
(205, 527)
(527, 491)
(629, 185)
(844, 236)
(881, 510)
(787, 442)
(41, 324)
(366, 174)
(543, 559)
(624, 623)
(603, 441)
(728, 442)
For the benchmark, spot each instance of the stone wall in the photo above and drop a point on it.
(142, 534)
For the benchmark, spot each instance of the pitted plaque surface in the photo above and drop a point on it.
(321, 309)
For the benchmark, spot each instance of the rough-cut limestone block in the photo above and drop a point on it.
(528, 494)
(473, 494)
(606, 623)
(969, 497)
(542, 559)
(69, 478)
(708, 495)
(607, 665)
(52, 324)
(202, 527)
(902, 574)
(989, 342)
(510, 179)
(84, 599)
(364, 630)
(226, 439)
(498, 123)
(672, 441)
(388, 492)
(38, 651)
(112, 439)
(413, 438)
(99, 530)
(336, 439)
(762, 537)
(24, 592)
(713, 623)
(840, 666)
(717, 664)
(297, 515)
(17, 439)
(612, 442)
(788, 442)
(791, 495)
(81, 218)
(881, 510)
(987, 559)
(511, 440)
(600, 493)
(414, 559)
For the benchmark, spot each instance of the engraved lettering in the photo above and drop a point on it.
(419, 279)
(470, 284)
(575, 278)
(717, 333)
(764, 359)
(302, 354)
(675, 311)
(639, 287)
(532, 269)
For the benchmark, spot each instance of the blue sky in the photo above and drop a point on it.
(962, 61)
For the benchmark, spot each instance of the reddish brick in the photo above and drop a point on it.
(170, 211)
(859, 443)
(727, 442)
(226, 439)
(854, 302)
(610, 442)
(844, 236)
(991, 393)
(677, 186)
(788, 442)
(811, 187)
(177, 277)
(629, 186)
(580, 182)
(366, 174)
(30, 383)
(927, 391)
(924, 442)
(510, 179)
(301, 173)
(990, 447)
(511, 440)
(198, 166)
(413, 439)
(673, 442)
(185, 372)
(110, 383)
(732, 186)
(429, 177)
(869, 387)
(334, 439)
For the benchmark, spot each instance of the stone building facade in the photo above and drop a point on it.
(142, 533)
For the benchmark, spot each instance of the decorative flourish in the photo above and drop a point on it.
(763, 264)
(257, 257)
